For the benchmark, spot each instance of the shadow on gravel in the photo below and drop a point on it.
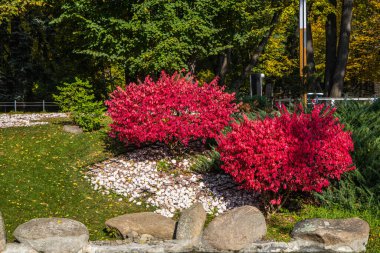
(156, 150)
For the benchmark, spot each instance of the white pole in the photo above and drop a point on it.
(15, 106)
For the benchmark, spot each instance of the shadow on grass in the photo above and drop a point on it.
(297, 200)
(59, 121)
(115, 146)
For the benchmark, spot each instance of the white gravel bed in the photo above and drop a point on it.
(138, 179)
(28, 119)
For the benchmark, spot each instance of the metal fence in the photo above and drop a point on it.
(45, 106)
(16, 106)
(327, 100)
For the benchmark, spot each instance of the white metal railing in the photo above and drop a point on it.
(15, 105)
(326, 99)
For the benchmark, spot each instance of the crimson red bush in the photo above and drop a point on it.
(288, 153)
(174, 109)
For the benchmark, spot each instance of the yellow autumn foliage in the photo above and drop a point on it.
(364, 55)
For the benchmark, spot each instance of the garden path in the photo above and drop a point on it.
(28, 119)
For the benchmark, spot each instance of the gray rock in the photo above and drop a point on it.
(143, 223)
(299, 246)
(271, 247)
(2, 233)
(348, 235)
(72, 129)
(145, 238)
(53, 235)
(171, 246)
(133, 235)
(191, 222)
(18, 248)
(235, 229)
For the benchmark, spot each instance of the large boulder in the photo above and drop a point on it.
(18, 248)
(2, 234)
(53, 235)
(235, 229)
(348, 235)
(191, 222)
(143, 223)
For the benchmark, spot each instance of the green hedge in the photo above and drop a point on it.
(359, 189)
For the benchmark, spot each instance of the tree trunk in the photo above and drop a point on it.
(311, 75)
(258, 51)
(224, 62)
(331, 41)
(5, 88)
(16, 58)
(20, 60)
(343, 49)
(192, 65)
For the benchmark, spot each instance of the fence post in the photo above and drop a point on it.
(15, 106)
(43, 105)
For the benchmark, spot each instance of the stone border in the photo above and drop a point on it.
(313, 235)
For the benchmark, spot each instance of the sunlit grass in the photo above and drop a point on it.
(41, 171)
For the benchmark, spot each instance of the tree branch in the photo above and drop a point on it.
(258, 51)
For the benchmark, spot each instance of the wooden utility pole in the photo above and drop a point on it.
(303, 40)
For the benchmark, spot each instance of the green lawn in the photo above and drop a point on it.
(41, 171)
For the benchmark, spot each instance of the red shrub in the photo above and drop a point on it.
(173, 109)
(291, 152)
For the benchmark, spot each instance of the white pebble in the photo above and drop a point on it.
(168, 192)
